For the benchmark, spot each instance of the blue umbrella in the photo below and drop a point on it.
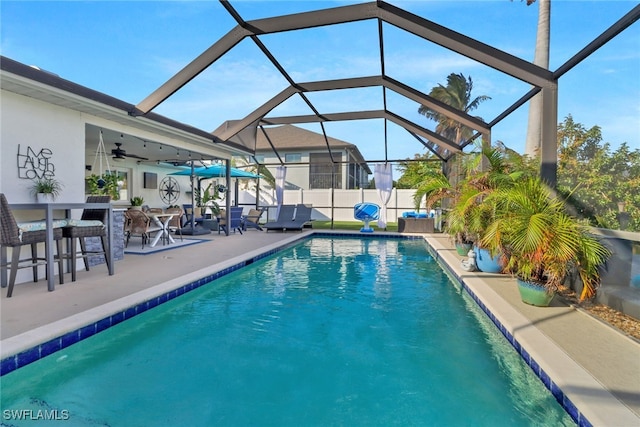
(206, 172)
(216, 171)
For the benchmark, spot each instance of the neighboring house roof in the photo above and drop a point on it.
(292, 138)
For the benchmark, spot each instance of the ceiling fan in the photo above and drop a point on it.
(120, 154)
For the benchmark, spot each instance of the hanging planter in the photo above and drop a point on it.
(106, 181)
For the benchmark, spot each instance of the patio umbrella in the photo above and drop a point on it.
(206, 172)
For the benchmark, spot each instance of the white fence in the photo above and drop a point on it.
(336, 204)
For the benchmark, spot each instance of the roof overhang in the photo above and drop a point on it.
(47, 87)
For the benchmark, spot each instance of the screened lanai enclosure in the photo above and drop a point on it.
(299, 81)
(382, 28)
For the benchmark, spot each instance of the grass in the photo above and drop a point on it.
(352, 225)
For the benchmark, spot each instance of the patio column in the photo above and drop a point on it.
(228, 198)
(549, 135)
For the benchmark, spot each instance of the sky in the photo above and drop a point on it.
(127, 49)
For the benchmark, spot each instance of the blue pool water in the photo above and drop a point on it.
(331, 332)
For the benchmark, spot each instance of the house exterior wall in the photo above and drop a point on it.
(36, 125)
(28, 126)
(298, 174)
(29, 123)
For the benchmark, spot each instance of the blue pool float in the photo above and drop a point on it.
(366, 212)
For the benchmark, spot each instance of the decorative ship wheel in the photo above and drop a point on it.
(169, 190)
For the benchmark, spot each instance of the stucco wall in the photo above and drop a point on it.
(26, 122)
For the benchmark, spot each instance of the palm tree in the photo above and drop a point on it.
(540, 58)
(456, 94)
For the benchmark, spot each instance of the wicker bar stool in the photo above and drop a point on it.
(11, 237)
(91, 224)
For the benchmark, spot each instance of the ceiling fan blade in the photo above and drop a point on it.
(119, 153)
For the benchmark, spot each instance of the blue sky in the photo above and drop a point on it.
(127, 49)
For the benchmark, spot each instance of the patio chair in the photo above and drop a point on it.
(235, 220)
(91, 224)
(252, 218)
(11, 237)
(175, 224)
(139, 224)
(285, 219)
(188, 210)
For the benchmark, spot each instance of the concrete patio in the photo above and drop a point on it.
(595, 365)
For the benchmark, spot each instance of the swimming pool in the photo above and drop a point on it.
(309, 336)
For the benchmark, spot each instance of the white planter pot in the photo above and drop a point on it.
(44, 197)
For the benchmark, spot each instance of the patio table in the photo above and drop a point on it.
(49, 209)
(162, 221)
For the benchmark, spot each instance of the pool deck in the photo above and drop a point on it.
(595, 365)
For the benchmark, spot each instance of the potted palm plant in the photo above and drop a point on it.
(544, 244)
(207, 200)
(46, 189)
(485, 171)
(435, 188)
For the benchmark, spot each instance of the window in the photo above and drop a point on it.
(322, 172)
(123, 183)
(293, 157)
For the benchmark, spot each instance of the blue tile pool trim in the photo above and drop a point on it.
(557, 393)
(31, 355)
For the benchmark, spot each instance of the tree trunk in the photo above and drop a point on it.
(541, 58)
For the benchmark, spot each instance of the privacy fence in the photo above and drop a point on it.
(336, 204)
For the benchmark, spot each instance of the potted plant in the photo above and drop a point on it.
(136, 202)
(435, 188)
(469, 213)
(106, 185)
(46, 189)
(207, 200)
(544, 244)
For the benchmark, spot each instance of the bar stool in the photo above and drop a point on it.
(11, 237)
(91, 224)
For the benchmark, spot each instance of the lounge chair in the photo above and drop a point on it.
(235, 220)
(286, 219)
(285, 216)
(252, 218)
